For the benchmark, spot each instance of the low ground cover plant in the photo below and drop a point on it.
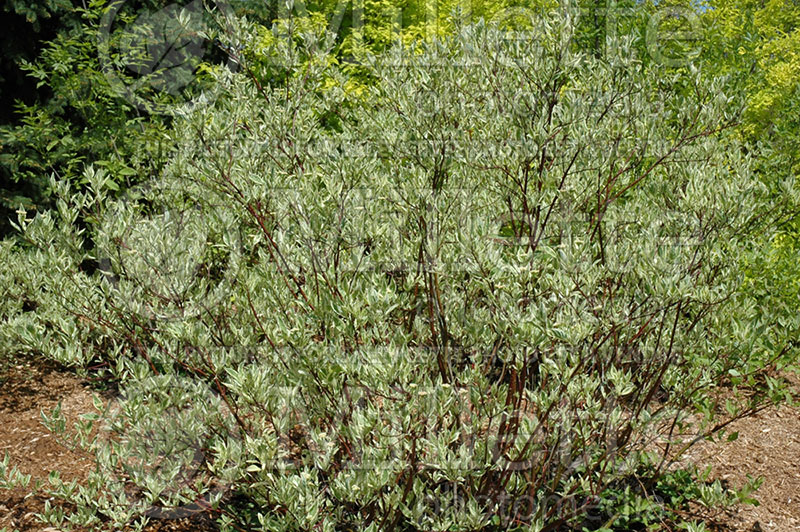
(492, 295)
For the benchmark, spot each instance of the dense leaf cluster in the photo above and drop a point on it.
(491, 293)
(419, 267)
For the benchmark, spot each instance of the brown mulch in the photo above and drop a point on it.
(25, 391)
(768, 446)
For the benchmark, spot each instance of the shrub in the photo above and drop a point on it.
(475, 302)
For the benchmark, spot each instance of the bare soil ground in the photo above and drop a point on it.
(768, 446)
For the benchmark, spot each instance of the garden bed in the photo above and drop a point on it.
(768, 446)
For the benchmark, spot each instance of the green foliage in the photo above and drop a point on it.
(11, 477)
(759, 40)
(33, 22)
(468, 303)
(757, 45)
(648, 502)
(78, 117)
(35, 12)
(77, 120)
